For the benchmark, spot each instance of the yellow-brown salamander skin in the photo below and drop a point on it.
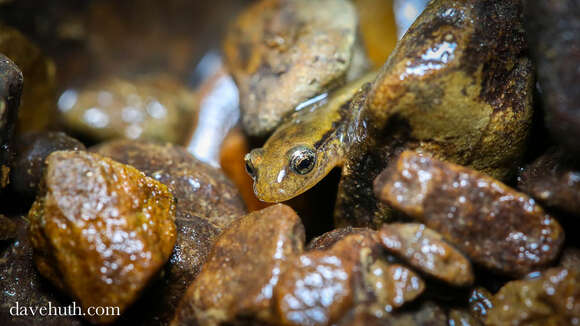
(305, 148)
(458, 85)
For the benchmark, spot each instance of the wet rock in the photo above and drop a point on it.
(462, 318)
(320, 286)
(461, 80)
(10, 90)
(328, 239)
(156, 107)
(7, 228)
(101, 230)
(31, 151)
(425, 250)
(551, 299)
(480, 303)
(37, 108)
(207, 202)
(243, 268)
(554, 34)
(554, 180)
(425, 313)
(492, 224)
(282, 53)
(20, 282)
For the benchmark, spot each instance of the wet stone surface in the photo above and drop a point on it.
(243, 268)
(282, 53)
(31, 151)
(554, 34)
(10, 90)
(321, 286)
(101, 230)
(554, 180)
(425, 250)
(480, 303)
(149, 108)
(492, 224)
(328, 239)
(548, 300)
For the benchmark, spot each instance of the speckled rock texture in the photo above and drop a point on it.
(31, 150)
(243, 268)
(492, 224)
(10, 91)
(554, 180)
(283, 52)
(101, 229)
(425, 250)
(548, 300)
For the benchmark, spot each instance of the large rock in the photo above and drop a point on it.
(101, 230)
(10, 90)
(283, 52)
(494, 225)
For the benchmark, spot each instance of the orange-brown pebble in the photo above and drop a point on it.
(553, 299)
(425, 250)
(492, 224)
(101, 229)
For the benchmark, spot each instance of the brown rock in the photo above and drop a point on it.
(38, 103)
(150, 108)
(554, 34)
(320, 286)
(570, 258)
(461, 79)
(328, 239)
(458, 85)
(243, 269)
(10, 90)
(207, 202)
(20, 282)
(282, 53)
(378, 29)
(463, 318)
(549, 300)
(101, 230)
(426, 313)
(554, 180)
(31, 151)
(425, 250)
(491, 223)
(480, 303)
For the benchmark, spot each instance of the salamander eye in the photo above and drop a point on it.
(302, 159)
(249, 166)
